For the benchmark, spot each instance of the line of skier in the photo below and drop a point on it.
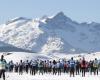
(51, 67)
(55, 67)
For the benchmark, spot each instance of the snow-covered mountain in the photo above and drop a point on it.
(51, 34)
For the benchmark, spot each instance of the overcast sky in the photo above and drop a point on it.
(78, 10)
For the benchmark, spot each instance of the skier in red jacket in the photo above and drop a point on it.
(83, 67)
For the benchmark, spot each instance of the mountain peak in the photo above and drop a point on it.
(61, 16)
(16, 19)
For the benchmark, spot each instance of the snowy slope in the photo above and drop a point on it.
(4, 47)
(51, 34)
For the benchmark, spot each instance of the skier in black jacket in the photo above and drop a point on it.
(21, 67)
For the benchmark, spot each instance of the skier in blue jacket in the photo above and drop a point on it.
(72, 67)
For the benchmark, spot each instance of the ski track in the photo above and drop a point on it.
(16, 76)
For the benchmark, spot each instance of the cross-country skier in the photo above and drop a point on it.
(54, 66)
(40, 66)
(33, 67)
(59, 67)
(26, 66)
(91, 67)
(21, 67)
(66, 65)
(83, 67)
(11, 66)
(45, 66)
(16, 67)
(2, 67)
(72, 67)
(95, 66)
(77, 67)
(50, 67)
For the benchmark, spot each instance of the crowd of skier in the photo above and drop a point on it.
(55, 67)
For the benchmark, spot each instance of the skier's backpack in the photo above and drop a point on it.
(77, 64)
(46, 65)
(95, 64)
(83, 64)
(2, 64)
(60, 65)
(72, 63)
(65, 65)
